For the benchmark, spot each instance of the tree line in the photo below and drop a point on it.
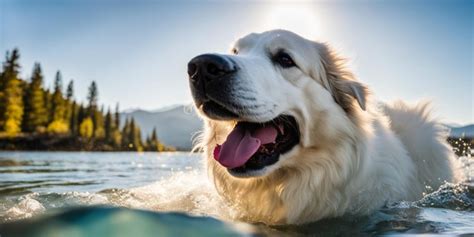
(29, 109)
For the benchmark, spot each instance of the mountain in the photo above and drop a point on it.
(175, 126)
(465, 131)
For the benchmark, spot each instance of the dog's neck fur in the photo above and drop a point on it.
(279, 189)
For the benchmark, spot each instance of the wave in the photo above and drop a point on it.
(450, 209)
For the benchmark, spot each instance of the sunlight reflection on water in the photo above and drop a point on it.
(33, 183)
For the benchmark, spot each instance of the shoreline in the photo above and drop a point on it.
(50, 142)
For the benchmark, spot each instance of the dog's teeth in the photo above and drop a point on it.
(282, 129)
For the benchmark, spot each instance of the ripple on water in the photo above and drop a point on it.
(448, 210)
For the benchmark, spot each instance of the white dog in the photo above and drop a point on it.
(292, 137)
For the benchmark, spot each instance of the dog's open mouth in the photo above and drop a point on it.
(252, 146)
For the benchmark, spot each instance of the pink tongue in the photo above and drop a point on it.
(241, 144)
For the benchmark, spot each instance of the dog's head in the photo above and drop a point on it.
(274, 96)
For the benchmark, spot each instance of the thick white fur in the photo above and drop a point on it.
(349, 161)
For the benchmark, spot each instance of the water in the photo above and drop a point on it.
(40, 190)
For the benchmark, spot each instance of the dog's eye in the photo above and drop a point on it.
(284, 60)
(235, 51)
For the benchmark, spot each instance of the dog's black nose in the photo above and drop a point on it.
(208, 67)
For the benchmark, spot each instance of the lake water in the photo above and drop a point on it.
(40, 190)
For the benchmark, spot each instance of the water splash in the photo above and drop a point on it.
(450, 209)
(447, 210)
(189, 192)
(450, 196)
(27, 207)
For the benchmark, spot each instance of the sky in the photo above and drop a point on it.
(137, 51)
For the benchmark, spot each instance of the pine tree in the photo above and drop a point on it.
(73, 120)
(154, 137)
(35, 115)
(153, 143)
(57, 103)
(125, 135)
(138, 138)
(117, 117)
(116, 135)
(2, 83)
(98, 121)
(47, 104)
(58, 108)
(2, 91)
(81, 114)
(92, 98)
(132, 135)
(11, 103)
(148, 146)
(70, 91)
(109, 127)
(69, 103)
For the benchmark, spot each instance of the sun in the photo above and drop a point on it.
(301, 18)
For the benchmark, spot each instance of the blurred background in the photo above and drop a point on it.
(136, 53)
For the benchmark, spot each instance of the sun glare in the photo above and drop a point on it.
(301, 18)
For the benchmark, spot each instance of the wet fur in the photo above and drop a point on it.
(349, 161)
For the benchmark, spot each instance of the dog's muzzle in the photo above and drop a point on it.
(210, 79)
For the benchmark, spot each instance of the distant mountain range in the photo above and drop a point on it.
(464, 131)
(177, 125)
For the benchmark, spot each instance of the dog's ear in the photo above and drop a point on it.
(354, 89)
(340, 81)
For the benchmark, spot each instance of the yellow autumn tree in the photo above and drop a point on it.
(86, 129)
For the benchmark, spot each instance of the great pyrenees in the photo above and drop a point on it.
(291, 136)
